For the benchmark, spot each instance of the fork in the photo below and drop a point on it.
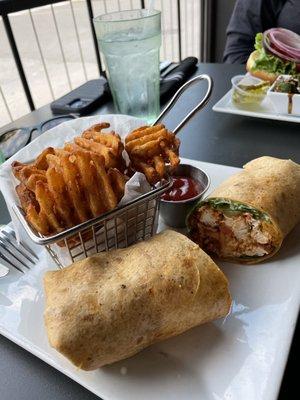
(14, 254)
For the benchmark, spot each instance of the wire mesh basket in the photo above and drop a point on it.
(127, 224)
(121, 227)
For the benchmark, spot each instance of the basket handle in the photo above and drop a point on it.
(179, 92)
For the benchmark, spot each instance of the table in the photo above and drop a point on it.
(209, 136)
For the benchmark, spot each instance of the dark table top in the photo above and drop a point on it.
(209, 136)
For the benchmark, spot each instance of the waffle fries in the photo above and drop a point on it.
(150, 149)
(108, 145)
(66, 186)
(75, 188)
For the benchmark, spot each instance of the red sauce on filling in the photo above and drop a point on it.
(183, 188)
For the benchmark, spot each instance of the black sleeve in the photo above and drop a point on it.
(248, 18)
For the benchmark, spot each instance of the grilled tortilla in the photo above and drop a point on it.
(247, 217)
(112, 305)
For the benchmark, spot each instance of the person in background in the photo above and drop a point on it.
(252, 16)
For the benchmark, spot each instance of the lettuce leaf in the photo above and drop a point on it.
(258, 41)
(235, 207)
(270, 63)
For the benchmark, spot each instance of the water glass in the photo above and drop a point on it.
(129, 42)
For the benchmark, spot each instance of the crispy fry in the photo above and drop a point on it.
(150, 148)
(108, 144)
(110, 140)
(148, 170)
(58, 191)
(28, 175)
(143, 131)
(173, 157)
(118, 181)
(70, 175)
(53, 161)
(33, 179)
(23, 172)
(95, 128)
(37, 220)
(61, 152)
(90, 145)
(110, 159)
(27, 171)
(71, 147)
(88, 172)
(26, 196)
(47, 205)
(41, 161)
(161, 134)
(16, 164)
(108, 196)
(17, 168)
(159, 165)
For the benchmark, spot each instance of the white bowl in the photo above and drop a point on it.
(284, 103)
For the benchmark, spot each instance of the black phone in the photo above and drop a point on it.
(96, 92)
(83, 99)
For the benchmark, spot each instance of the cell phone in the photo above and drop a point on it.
(83, 99)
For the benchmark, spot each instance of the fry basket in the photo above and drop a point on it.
(125, 225)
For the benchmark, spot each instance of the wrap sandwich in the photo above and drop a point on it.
(112, 305)
(247, 217)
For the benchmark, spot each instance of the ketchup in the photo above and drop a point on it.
(183, 188)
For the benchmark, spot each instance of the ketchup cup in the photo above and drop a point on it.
(174, 212)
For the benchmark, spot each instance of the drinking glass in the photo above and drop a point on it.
(130, 42)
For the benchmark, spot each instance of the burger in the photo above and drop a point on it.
(277, 52)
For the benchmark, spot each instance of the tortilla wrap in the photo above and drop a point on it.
(269, 190)
(112, 305)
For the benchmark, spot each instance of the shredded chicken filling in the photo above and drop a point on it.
(235, 234)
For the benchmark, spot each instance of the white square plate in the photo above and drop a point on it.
(240, 357)
(264, 110)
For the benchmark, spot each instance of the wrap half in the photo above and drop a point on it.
(247, 217)
(112, 305)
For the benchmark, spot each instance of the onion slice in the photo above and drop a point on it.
(286, 41)
(282, 43)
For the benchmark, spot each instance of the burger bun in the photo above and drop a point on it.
(259, 73)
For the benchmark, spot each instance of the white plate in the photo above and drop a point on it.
(265, 110)
(240, 357)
